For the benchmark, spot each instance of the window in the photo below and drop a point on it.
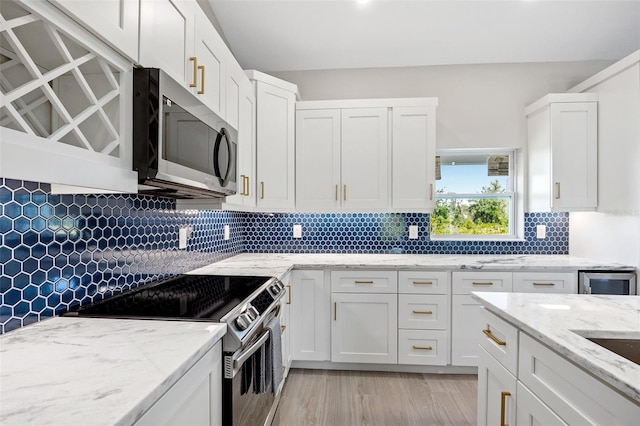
(475, 195)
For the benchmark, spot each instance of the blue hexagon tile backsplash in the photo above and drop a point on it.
(59, 251)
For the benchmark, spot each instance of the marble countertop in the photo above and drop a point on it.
(95, 371)
(278, 264)
(561, 320)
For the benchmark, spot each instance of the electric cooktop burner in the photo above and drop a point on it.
(187, 297)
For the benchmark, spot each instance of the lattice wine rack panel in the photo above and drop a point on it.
(55, 87)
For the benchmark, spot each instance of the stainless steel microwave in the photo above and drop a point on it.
(607, 282)
(181, 149)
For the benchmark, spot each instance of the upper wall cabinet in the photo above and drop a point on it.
(66, 102)
(114, 21)
(562, 132)
(350, 153)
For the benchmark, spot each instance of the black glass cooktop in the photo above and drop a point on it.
(193, 297)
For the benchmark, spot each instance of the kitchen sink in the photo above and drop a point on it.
(626, 348)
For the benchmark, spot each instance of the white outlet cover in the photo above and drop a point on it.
(297, 231)
(541, 231)
(182, 237)
(227, 232)
(413, 232)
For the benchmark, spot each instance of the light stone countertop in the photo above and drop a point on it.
(277, 265)
(561, 320)
(95, 371)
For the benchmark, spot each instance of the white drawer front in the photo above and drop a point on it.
(500, 340)
(545, 282)
(423, 282)
(364, 281)
(466, 282)
(423, 312)
(423, 347)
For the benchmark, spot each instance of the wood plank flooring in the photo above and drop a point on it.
(351, 398)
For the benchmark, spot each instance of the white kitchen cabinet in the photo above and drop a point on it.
(423, 311)
(310, 316)
(500, 340)
(275, 125)
(67, 103)
(195, 399)
(413, 158)
(545, 282)
(357, 281)
(497, 392)
(364, 328)
(114, 21)
(235, 84)
(423, 347)
(531, 411)
(285, 325)
(562, 138)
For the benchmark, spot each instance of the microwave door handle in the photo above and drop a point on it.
(216, 159)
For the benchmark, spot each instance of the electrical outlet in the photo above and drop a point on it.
(183, 235)
(297, 231)
(541, 231)
(227, 232)
(413, 232)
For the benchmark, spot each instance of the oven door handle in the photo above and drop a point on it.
(241, 357)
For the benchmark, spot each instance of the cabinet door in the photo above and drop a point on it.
(574, 153)
(236, 80)
(414, 151)
(318, 160)
(167, 34)
(545, 282)
(211, 54)
(465, 330)
(531, 411)
(310, 310)
(114, 21)
(275, 147)
(364, 328)
(365, 158)
(496, 392)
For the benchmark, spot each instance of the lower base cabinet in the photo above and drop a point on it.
(195, 399)
(309, 296)
(497, 392)
(423, 347)
(532, 411)
(465, 330)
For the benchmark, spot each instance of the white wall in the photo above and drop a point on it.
(479, 105)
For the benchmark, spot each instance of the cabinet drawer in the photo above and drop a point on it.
(423, 282)
(421, 311)
(563, 386)
(500, 340)
(466, 282)
(545, 282)
(423, 347)
(364, 281)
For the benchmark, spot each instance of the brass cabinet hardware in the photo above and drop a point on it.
(282, 329)
(262, 190)
(244, 188)
(335, 311)
(430, 191)
(503, 403)
(477, 283)
(545, 284)
(344, 192)
(422, 348)
(557, 190)
(423, 312)
(363, 282)
(201, 91)
(247, 178)
(336, 192)
(497, 341)
(289, 294)
(423, 282)
(283, 368)
(194, 83)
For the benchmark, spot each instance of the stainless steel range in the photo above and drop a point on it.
(246, 304)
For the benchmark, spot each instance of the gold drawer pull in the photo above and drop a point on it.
(282, 329)
(194, 83)
(557, 190)
(336, 192)
(477, 283)
(423, 282)
(201, 91)
(289, 294)
(422, 312)
(422, 348)
(503, 403)
(494, 338)
(545, 284)
(363, 282)
(262, 190)
(247, 178)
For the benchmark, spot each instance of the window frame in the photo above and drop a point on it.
(516, 213)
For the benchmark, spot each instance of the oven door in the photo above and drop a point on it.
(248, 408)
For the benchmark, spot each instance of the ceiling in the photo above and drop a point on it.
(272, 35)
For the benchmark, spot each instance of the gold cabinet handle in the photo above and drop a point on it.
(430, 191)
(491, 336)
(423, 283)
(283, 368)
(363, 282)
(194, 83)
(336, 192)
(423, 312)
(545, 284)
(247, 178)
(344, 192)
(244, 188)
(289, 293)
(503, 403)
(201, 91)
(282, 329)
(557, 190)
(262, 190)
(478, 283)
(335, 311)
(422, 348)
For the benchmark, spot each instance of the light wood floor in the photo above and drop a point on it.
(350, 398)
